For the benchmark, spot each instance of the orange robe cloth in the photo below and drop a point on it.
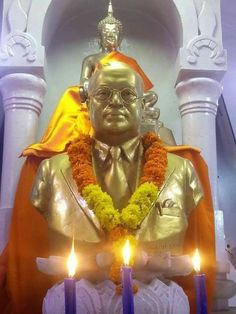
(117, 56)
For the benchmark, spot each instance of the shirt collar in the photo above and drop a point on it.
(128, 148)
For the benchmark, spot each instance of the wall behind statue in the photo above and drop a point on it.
(145, 39)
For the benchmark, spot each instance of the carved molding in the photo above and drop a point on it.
(198, 5)
(217, 53)
(154, 298)
(207, 21)
(25, 41)
(207, 24)
(17, 17)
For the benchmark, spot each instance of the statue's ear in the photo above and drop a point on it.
(87, 103)
(143, 102)
(99, 42)
(119, 41)
(146, 100)
(83, 94)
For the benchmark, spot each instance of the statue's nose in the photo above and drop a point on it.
(116, 100)
(110, 35)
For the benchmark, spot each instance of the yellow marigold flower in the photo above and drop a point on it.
(145, 192)
(130, 216)
(93, 194)
(109, 218)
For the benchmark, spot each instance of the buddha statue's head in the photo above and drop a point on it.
(115, 102)
(110, 31)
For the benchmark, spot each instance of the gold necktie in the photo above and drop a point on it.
(115, 180)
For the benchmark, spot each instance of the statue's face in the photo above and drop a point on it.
(110, 37)
(115, 102)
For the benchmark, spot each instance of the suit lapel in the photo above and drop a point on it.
(168, 175)
(71, 184)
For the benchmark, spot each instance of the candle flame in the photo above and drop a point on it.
(126, 252)
(72, 261)
(197, 261)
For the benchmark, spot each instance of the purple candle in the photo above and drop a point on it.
(127, 291)
(69, 283)
(200, 291)
(200, 286)
(70, 296)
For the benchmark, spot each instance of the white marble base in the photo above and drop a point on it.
(155, 298)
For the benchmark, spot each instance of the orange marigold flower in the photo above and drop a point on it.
(117, 233)
(149, 138)
(114, 273)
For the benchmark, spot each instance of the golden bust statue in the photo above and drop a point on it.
(115, 102)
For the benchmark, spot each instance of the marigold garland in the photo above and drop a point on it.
(119, 225)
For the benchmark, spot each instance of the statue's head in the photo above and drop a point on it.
(115, 101)
(110, 31)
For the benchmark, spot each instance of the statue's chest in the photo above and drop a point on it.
(118, 178)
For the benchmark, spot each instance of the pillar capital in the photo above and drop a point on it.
(198, 95)
(22, 91)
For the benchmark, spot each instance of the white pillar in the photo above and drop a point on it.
(22, 96)
(198, 107)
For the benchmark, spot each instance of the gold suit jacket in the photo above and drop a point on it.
(56, 197)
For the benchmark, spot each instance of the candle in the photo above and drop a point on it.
(127, 292)
(69, 283)
(200, 285)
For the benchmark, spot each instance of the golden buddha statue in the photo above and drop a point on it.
(110, 37)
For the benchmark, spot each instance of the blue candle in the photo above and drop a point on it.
(70, 296)
(69, 283)
(200, 291)
(127, 291)
(200, 285)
